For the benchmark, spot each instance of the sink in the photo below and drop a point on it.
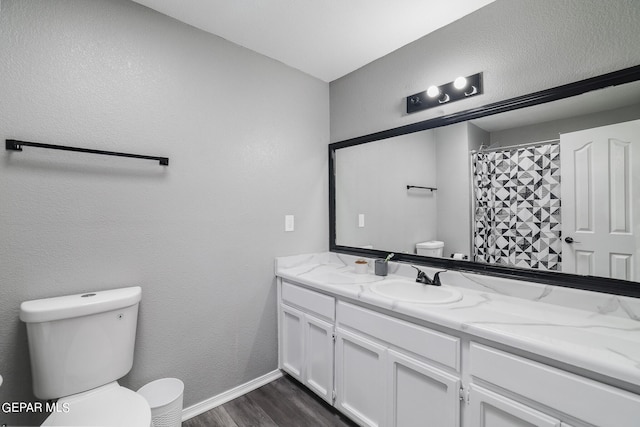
(408, 291)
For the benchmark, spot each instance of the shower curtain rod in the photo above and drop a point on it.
(511, 147)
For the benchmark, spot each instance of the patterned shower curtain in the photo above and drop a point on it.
(517, 207)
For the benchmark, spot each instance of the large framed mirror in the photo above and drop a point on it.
(544, 187)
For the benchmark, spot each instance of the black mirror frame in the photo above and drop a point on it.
(590, 283)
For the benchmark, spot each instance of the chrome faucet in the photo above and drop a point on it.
(426, 280)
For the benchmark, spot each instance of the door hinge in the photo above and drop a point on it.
(463, 395)
(333, 396)
(333, 336)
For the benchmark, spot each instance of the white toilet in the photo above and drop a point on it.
(79, 346)
(430, 248)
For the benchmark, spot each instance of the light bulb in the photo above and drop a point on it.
(433, 91)
(460, 83)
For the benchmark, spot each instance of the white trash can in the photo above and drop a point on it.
(165, 399)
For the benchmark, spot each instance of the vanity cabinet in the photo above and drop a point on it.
(488, 409)
(306, 338)
(382, 371)
(386, 374)
(588, 402)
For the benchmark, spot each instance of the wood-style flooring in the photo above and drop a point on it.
(281, 403)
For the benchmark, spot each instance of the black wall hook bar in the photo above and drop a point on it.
(424, 188)
(14, 145)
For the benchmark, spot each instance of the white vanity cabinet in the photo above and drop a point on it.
(489, 409)
(380, 370)
(394, 373)
(306, 337)
(588, 402)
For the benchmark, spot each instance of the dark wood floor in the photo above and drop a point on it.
(281, 403)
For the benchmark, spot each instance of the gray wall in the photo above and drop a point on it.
(199, 236)
(553, 129)
(373, 181)
(521, 46)
(454, 185)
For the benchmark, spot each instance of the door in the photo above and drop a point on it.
(420, 395)
(488, 409)
(360, 379)
(600, 190)
(292, 342)
(318, 357)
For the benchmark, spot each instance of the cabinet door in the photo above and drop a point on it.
(292, 342)
(420, 395)
(319, 357)
(488, 409)
(360, 380)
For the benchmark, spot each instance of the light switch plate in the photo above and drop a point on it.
(360, 220)
(288, 223)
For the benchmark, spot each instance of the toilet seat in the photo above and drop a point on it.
(109, 405)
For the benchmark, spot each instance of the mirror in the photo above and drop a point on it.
(542, 192)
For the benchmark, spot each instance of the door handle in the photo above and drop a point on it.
(570, 240)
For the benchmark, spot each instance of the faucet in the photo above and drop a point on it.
(426, 280)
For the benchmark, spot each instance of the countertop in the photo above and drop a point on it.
(593, 331)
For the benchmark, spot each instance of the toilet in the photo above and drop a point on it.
(79, 346)
(431, 248)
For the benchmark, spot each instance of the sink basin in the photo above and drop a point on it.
(408, 291)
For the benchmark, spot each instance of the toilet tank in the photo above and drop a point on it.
(432, 248)
(79, 342)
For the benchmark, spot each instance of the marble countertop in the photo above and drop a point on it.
(593, 331)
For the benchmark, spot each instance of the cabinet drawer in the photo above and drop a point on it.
(585, 399)
(310, 301)
(433, 345)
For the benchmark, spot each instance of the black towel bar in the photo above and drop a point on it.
(424, 188)
(12, 144)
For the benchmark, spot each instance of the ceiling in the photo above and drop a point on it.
(326, 39)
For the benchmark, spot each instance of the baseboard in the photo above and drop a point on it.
(228, 395)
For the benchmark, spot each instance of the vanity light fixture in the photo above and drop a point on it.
(460, 88)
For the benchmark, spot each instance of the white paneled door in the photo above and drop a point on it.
(292, 342)
(420, 395)
(600, 190)
(360, 381)
(489, 409)
(318, 357)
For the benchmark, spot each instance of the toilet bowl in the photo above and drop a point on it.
(431, 248)
(111, 404)
(79, 346)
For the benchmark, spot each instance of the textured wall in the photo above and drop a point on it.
(521, 46)
(454, 185)
(373, 179)
(199, 236)
(552, 129)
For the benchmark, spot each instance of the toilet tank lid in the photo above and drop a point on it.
(86, 303)
(431, 244)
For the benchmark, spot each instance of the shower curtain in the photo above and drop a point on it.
(517, 207)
